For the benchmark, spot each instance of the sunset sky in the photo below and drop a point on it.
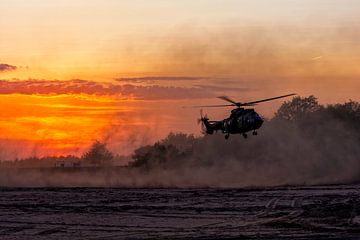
(73, 71)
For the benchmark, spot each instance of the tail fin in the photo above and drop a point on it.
(206, 127)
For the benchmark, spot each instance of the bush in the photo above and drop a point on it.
(169, 152)
(98, 155)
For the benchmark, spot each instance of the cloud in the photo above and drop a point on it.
(157, 78)
(156, 92)
(6, 67)
(78, 86)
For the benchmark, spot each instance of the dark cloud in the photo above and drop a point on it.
(157, 78)
(6, 67)
(77, 86)
(155, 92)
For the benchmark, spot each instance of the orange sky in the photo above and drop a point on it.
(119, 71)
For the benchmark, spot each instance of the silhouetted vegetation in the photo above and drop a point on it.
(36, 162)
(98, 155)
(297, 108)
(169, 151)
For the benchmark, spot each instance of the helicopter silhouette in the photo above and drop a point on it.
(240, 121)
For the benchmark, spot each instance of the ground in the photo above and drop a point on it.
(321, 212)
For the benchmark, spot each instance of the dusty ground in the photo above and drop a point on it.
(329, 212)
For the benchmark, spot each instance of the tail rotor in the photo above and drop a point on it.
(202, 121)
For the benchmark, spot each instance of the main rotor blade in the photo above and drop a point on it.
(228, 105)
(267, 99)
(239, 104)
(226, 98)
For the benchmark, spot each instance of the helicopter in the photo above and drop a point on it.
(241, 120)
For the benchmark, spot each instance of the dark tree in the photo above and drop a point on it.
(183, 142)
(169, 152)
(348, 113)
(298, 107)
(98, 155)
(141, 157)
(347, 110)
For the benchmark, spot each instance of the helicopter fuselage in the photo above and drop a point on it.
(240, 121)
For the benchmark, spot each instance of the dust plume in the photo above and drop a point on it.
(304, 144)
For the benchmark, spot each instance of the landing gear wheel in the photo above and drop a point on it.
(254, 133)
(227, 136)
(245, 135)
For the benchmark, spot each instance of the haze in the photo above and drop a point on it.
(120, 71)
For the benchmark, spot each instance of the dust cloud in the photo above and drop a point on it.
(300, 146)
